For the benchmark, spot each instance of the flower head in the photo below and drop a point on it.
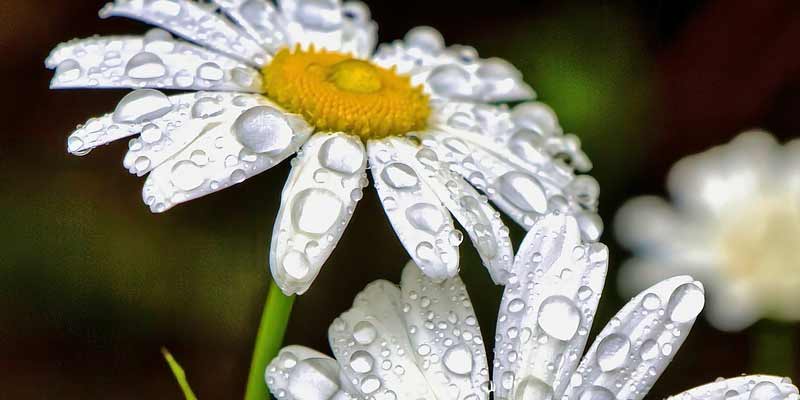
(422, 340)
(301, 77)
(734, 223)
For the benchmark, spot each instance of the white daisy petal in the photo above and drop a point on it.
(224, 154)
(317, 203)
(299, 373)
(359, 31)
(456, 72)
(482, 223)
(530, 130)
(192, 114)
(193, 21)
(750, 387)
(421, 342)
(547, 310)
(166, 123)
(317, 22)
(155, 60)
(259, 18)
(524, 190)
(632, 351)
(422, 223)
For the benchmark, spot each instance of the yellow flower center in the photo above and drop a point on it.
(338, 93)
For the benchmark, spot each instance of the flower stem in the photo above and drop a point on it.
(773, 348)
(269, 339)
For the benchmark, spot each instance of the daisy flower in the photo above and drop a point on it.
(734, 223)
(268, 81)
(422, 340)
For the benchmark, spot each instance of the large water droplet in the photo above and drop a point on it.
(361, 362)
(597, 393)
(364, 333)
(559, 317)
(532, 388)
(425, 38)
(612, 352)
(145, 65)
(296, 265)
(458, 360)
(314, 378)
(766, 391)
(316, 211)
(207, 107)
(342, 154)
(449, 80)
(210, 71)
(263, 129)
(685, 303)
(321, 15)
(68, 71)
(186, 175)
(426, 217)
(142, 105)
(523, 191)
(400, 176)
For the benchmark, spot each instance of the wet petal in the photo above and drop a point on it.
(547, 310)
(359, 31)
(317, 22)
(419, 342)
(317, 203)
(632, 351)
(193, 21)
(530, 130)
(750, 387)
(482, 223)
(155, 60)
(455, 72)
(524, 190)
(260, 19)
(224, 154)
(299, 373)
(422, 223)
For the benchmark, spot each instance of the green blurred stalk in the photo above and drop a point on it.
(269, 339)
(773, 348)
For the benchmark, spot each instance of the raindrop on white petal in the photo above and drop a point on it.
(523, 191)
(342, 154)
(612, 352)
(142, 105)
(145, 65)
(425, 217)
(685, 303)
(68, 71)
(186, 175)
(559, 317)
(364, 333)
(210, 71)
(532, 388)
(361, 362)
(315, 211)
(400, 176)
(458, 360)
(296, 265)
(597, 393)
(263, 129)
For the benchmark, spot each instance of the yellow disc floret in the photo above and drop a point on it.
(338, 93)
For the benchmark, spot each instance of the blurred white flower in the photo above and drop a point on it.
(734, 223)
(422, 340)
(268, 81)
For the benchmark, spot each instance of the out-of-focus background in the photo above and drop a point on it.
(92, 284)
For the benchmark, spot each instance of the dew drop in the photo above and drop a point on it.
(523, 191)
(458, 360)
(316, 211)
(145, 65)
(559, 317)
(685, 303)
(400, 176)
(612, 352)
(426, 217)
(142, 105)
(263, 129)
(364, 333)
(342, 154)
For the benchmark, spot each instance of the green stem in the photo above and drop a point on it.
(269, 339)
(773, 348)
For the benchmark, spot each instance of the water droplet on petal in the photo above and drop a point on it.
(458, 360)
(532, 388)
(364, 333)
(559, 317)
(612, 352)
(316, 211)
(400, 176)
(361, 362)
(296, 265)
(342, 154)
(145, 65)
(263, 129)
(426, 217)
(142, 105)
(523, 191)
(685, 303)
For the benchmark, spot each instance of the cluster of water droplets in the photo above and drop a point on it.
(154, 60)
(635, 347)
(420, 341)
(754, 387)
(504, 154)
(319, 198)
(259, 18)
(547, 310)
(455, 72)
(195, 21)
